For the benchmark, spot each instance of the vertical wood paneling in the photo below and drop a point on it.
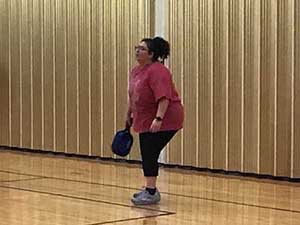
(26, 73)
(84, 75)
(296, 113)
(4, 72)
(189, 81)
(108, 78)
(58, 50)
(284, 82)
(254, 69)
(48, 74)
(235, 86)
(220, 64)
(96, 75)
(205, 83)
(174, 154)
(37, 73)
(268, 86)
(60, 68)
(15, 72)
(251, 85)
(72, 76)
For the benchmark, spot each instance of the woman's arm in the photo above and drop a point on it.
(128, 122)
(161, 110)
(162, 107)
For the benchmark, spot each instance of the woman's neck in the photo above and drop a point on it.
(142, 64)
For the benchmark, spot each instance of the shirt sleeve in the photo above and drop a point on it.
(160, 82)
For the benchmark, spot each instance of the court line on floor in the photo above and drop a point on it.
(10, 181)
(163, 213)
(131, 219)
(88, 199)
(71, 180)
(215, 173)
(166, 193)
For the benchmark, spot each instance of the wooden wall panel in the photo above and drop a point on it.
(26, 73)
(235, 85)
(72, 77)
(48, 73)
(97, 51)
(205, 87)
(60, 75)
(16, 72)
(251, 86)
(296, 94)
(246, 68)
(84, 59)
(268, 86)
(284, 87)
(4, 71)
(190, 86)
(37, 70)
(220, 83)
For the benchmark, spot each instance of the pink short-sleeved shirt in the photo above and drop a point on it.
(147, 86)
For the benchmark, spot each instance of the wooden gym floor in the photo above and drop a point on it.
(42, 189)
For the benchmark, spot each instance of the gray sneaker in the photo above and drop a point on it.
(144, 198)
(135, 195)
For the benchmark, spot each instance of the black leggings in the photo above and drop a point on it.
(151, 145)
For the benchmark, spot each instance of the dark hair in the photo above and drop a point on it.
(159, 47)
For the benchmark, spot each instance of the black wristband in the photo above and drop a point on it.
(158, 118)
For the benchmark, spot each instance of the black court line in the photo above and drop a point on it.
(27, 179)
(88, 199)
(131, 219)
(65, 179)
(164, 213)
(166, 193)
(23, 174)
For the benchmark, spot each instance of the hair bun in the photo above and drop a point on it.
(162, 47)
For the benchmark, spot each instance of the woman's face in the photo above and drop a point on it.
(142, 53)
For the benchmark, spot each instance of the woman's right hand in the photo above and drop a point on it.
(128, 122)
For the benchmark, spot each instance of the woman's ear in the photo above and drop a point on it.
(151, 55)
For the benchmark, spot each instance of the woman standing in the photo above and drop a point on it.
(155, 110)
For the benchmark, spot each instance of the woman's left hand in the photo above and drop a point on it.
(155, 126)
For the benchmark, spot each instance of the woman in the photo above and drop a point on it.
(155, 110)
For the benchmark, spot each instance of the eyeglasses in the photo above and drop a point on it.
(140, 48)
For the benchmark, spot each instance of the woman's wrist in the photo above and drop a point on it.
(158, 118)
(129, 113)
